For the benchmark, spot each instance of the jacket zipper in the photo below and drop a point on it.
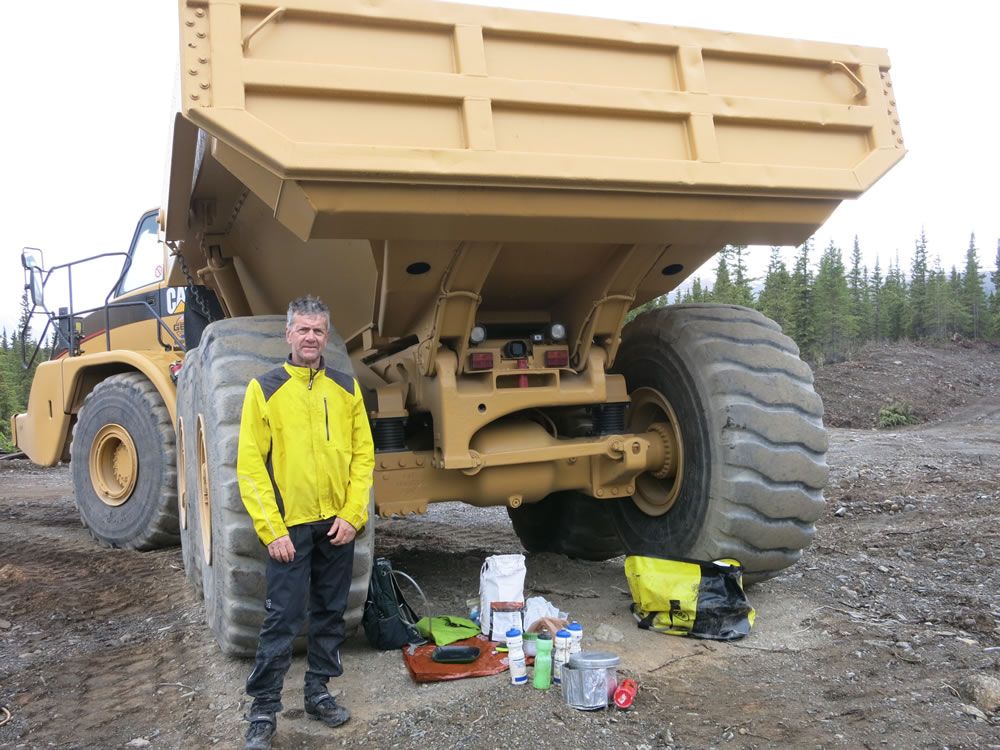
(326, 414)
(312, 374)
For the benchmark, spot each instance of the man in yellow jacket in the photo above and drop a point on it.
(305, 468)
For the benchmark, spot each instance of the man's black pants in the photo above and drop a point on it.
(320, 574)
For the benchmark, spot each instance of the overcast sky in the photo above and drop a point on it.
(88, 91)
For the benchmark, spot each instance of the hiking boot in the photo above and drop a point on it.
(262, 730)
(325, 709)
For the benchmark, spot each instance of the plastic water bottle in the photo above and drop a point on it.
(576, 637)
(561, 654)
(515, 657)
(542, 678)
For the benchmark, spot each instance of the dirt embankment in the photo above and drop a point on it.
(884, 635)
(935, 380)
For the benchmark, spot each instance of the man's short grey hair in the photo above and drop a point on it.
(308, 305)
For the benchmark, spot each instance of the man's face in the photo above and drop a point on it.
(307, 336)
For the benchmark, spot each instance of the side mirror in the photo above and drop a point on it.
(32, 263)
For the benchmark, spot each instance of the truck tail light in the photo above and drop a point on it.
(481, 361)
(556, 358)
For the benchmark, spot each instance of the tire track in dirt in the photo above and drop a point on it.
(102, 637)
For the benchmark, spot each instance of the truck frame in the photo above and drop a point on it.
(481, 196)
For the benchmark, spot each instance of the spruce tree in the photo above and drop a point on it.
(919, 307)
(21, 378)
(940, 303)
(723, 289)
(994, 317)
(24, 321)
(742, 291)
(7, 408)
(835, 323)
(877, 326)
(800, 309)
(865, 313)
(774, 297)
(995, 296)
(973, 297)
(961, 320)
(699, 293)
(854, 279)
(10, 378)
(696, 293)
(893, 303)
(857, 282)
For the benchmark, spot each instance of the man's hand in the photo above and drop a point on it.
(282, 549)
(341, 532)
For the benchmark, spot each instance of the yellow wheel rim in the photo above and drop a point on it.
(655, 496)
(181, 476)
(204, 496)
(114, 464)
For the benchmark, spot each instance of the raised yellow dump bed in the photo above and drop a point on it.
(438, 121)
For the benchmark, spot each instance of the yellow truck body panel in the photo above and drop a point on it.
(378, 136)
(332, 100)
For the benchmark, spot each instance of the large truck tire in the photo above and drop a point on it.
(220, 533)
(122, 458)
(753, 465)
(567, 523)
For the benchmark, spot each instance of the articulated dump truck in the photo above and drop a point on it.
(481, 196)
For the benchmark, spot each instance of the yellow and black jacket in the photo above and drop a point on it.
(306, 451)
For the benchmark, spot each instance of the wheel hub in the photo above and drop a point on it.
(657, 491)
(114, 465)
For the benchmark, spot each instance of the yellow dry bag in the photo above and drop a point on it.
(689, 597)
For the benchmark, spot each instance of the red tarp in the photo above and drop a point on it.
(423, 669)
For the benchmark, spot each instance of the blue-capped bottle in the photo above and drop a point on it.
(561, 654)
(576, 637)
(515, 657)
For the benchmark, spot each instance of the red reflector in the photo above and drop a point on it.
(556, 358)
(481, 361)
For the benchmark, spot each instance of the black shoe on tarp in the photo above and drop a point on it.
(262, 730)
(325, 709)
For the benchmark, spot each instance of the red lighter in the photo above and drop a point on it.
(625, 693)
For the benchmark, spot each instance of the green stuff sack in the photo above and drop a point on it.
(689, 597)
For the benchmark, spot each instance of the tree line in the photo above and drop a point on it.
(830, 309)
(15, 381)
